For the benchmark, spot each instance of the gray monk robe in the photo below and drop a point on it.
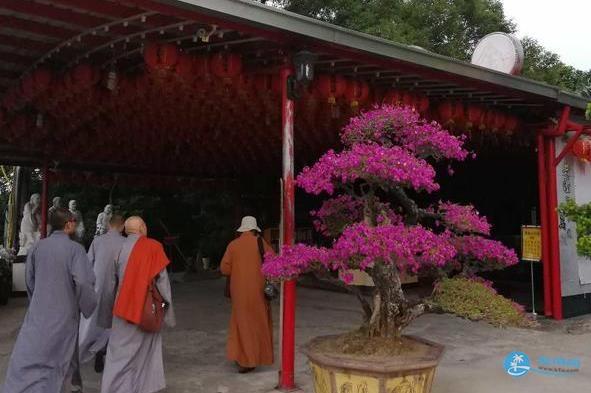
(102, 254)
(60, 284)
(134, 358)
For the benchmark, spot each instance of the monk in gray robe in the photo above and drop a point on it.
(60, 285)
(102, 253)
(134, 358)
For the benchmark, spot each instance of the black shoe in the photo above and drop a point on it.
(244, 370)
(99, 363)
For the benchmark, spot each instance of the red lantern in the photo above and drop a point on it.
(357, 91)
(511, 124)
(422, 104)
(42, 78)
(331, 87)
(474, 115)
(582, 149)
(489, 119)
(81, 77)
(161, 57)
(499, 120)
(408, 99)
(445, 110)
(184, 67)
(226, 65)
(393, 97)
(458, 109)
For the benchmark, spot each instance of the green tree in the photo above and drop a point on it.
(543, 65)
(447, 27)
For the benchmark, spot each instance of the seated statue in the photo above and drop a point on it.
(102, 220)
(29, 229)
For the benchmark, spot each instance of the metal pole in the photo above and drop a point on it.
(44, 200)
(286, 379)
(543, 193)
(282, 289)
(533, 294)
(553, 232)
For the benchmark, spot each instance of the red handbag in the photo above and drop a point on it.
(153, 312)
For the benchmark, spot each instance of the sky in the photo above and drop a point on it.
(561, 26)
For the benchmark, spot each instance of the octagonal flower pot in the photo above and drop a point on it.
(411, 372)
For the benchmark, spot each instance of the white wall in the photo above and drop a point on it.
(573, 181)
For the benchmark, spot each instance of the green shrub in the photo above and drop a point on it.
(475, 299)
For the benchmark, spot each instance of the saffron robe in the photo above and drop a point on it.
(250, 337)
(60, 285)
(102, 254)
(134, 361)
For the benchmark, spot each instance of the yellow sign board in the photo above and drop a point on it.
(531, 243)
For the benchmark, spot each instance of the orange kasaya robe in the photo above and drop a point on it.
(250, 339)
(146, 260)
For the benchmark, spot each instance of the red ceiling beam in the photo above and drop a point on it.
(180, 13)
(27, 7)
(13, 58)
(36, 28)
(103, 8)
(10, 75)
(24, 43)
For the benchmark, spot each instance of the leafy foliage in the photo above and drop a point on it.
(581, 215)
(389, 152)
(543, 65)
(477, 300)
(447, 27)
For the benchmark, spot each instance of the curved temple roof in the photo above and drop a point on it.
(59, 34)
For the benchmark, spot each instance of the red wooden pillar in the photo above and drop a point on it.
(542, 191)
(44, 200)
(286, 378)
(554, 241)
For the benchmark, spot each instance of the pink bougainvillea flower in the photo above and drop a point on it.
(403, 126)
(379, 165)
(463, 219)
(481, 254)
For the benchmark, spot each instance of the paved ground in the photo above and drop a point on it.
(194, 350)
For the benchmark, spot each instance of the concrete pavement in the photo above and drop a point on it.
(473, 361)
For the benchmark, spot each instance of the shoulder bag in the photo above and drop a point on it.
(154, 309)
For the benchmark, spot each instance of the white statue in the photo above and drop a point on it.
(57, 203)
(102, 221)
(29, 230)
(80, 230)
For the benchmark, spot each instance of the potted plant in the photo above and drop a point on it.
(378, 227)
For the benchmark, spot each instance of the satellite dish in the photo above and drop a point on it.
(500, 52)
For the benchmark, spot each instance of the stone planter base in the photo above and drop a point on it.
(338, 373)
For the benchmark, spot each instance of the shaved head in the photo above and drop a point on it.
(136, 225)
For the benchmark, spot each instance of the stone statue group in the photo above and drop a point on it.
(30, 228)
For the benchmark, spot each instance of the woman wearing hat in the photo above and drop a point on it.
(250, 338)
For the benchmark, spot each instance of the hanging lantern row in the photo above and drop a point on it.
(195, 111)
(473, 116)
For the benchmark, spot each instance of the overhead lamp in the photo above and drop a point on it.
(303, 62)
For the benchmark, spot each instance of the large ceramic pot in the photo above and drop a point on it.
(408, 373)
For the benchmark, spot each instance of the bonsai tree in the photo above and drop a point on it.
(376, 223)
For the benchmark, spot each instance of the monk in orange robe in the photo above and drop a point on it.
(250, 339)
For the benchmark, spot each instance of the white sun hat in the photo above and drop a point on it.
(249, 223)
